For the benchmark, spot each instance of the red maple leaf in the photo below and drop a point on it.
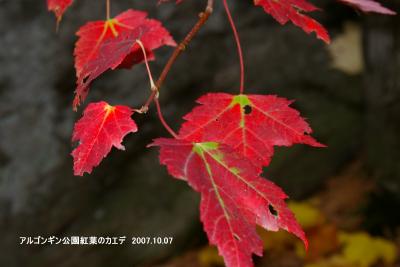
(293, 10)
(369, 6)
(58, 7)
(101, 127)
(234, 198)
(253, 124)
(109, 44)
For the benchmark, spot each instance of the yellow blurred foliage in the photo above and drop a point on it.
(334, 261)
(208, 256)
(328, 247)
(360, 250)
(277, 241)
(364, 250)
(306, 214)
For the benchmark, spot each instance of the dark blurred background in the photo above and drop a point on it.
(349, 92)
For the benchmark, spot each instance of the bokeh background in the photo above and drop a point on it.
(347, 196)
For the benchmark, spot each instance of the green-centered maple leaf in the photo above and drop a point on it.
(253, 124)
(234, 198)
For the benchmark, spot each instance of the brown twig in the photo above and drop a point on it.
(203, 17)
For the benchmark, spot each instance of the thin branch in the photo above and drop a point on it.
(203, 17)
(238, 45)
(161, 117)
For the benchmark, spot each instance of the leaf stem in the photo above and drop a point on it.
(203, 17)
(154, 89)
(161, 117)
(108, 9)
(239, 46)
(152, 84)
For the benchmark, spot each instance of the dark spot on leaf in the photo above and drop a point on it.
(84, 80)
(247, 109)
(272, 210)
(236, 237)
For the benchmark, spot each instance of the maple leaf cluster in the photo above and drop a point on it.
(281, 10)
(225, 141)
(296, 11)
(220, 151)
